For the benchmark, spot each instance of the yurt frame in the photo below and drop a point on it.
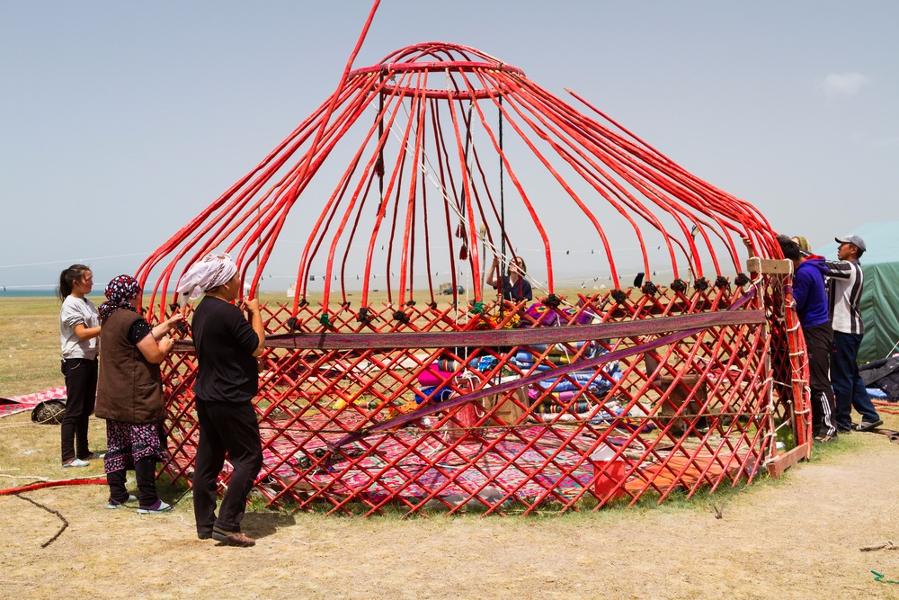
(473, 402)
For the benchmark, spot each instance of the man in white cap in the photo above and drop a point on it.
(227, 379)
(846, 282)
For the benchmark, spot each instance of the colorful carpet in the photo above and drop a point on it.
(17, 404)
(428, 464)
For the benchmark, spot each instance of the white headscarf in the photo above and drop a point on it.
(214, 270)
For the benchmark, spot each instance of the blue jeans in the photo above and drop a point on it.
(847, 383)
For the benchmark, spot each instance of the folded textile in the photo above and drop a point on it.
(425, 393)
(434, 376)
(483, 363)
(527, 365)
(564, 396)
(551, 317)
(571, 381)
(876, 392)
(526, 357)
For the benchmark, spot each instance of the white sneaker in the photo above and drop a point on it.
(113, 505)
(159, 507)
(76, 462)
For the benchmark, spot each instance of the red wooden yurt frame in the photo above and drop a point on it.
(688, 382)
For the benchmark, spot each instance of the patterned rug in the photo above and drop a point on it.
(17, 404)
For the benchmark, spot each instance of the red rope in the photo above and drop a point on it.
(48, 484)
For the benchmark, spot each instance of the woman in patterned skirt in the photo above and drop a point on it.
(129, 393)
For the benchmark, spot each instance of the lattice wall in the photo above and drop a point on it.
(680, 398)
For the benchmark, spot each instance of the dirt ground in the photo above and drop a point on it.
(798, 537)
(794, 538)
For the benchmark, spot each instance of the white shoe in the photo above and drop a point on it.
(159, 507)
(113, 505)
(76, 462)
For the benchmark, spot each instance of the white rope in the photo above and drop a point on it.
(71, 260)
(429, 171)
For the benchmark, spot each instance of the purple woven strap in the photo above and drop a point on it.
(504, 337)
(424, 411)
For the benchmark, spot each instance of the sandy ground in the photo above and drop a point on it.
(794, 538)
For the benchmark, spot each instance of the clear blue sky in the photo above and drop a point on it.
(120, 120)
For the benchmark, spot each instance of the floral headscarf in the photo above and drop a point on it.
(119, 293)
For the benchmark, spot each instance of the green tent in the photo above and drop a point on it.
(880, 298)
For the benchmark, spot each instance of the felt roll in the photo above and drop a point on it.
(579, 407)
(447, 364)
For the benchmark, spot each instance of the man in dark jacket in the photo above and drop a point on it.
(810, 296)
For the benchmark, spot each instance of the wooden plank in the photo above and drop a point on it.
(769, 266)
(782, 462)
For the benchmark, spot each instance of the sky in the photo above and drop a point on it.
(119, 121)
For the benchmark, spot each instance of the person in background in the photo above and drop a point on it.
(803, 243)
(810, 296)
(79, 327)
(129, 393)
(846, 282)
(514, 285)
(227, 380)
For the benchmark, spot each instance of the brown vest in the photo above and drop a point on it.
(129, 389)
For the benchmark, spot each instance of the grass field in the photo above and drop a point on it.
(798, 537)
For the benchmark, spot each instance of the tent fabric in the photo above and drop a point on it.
(880, 310)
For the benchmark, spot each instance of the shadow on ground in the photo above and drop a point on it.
(264, 524)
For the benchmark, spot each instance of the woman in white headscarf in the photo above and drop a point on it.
(227, 379)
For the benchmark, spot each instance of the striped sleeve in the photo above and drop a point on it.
(839, 269)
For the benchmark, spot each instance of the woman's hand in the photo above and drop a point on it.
(251, 305)
(166, 326)
(174, 319)
(255, 318)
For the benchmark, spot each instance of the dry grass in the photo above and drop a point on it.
(795, 538)
(29, 360)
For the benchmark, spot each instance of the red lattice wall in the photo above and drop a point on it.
(687, 404)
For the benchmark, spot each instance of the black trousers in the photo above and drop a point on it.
(226, 428)
(819, 342)
(81, 392)
(145, 471)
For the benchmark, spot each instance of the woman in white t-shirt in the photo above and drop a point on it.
(79, 328)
